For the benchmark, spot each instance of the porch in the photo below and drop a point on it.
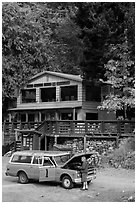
(37, 135)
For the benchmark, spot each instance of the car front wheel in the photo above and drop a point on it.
(67, 182)
(22, 177)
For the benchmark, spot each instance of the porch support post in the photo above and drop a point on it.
(56, 115)
(39, 116)
(39, 142)
(21, 141)
(16, 135)
(10, 117)
(45, 142)
(26, 117)
(74, 113)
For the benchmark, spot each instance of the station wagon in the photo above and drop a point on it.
(48, 166)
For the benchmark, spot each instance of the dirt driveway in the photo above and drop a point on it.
(111, 185)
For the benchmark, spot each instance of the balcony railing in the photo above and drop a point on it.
(90, 128)
(73, 128)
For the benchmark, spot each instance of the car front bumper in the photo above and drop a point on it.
(89, 178)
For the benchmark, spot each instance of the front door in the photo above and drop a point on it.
(47, 171)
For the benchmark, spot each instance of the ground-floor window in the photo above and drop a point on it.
(68, 116)
(91, 116)
(43, 115)
(31, 117)
(23, 117)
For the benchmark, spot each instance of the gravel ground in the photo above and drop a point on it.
(111, 185)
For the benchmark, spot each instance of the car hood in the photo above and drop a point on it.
(77, 157)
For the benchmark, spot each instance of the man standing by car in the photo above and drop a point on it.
(84, 171)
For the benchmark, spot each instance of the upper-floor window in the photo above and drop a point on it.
(48, 94)
(29, 96)
(93, 93)
(69, 93)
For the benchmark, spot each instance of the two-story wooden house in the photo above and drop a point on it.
(54, 106)
(57, 96)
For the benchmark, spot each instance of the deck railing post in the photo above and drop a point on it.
(4, 127)
(119, 128)
(56, 128)
(85, 140)
(86, 127)
(102, 127)
(72, 127)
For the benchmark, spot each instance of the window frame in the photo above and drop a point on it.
(53, 165)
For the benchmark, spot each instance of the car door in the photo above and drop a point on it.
(34, 167)
(47, 171)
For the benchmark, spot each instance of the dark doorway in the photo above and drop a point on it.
(42, 145)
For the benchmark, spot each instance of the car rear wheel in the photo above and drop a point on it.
(22, 177)
(67, 182)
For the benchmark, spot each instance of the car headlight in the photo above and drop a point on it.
(78, 174)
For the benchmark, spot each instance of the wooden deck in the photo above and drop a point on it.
(33, 133)
(73, 128)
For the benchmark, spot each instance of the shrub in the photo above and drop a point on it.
(124, 155)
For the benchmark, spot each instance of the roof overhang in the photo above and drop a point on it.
(42, 108)
(28, 131)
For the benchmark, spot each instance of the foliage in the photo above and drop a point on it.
(124, 155)
(72, 37)
(108, 39)
(120, 75)
(102, 24)
(36, 37)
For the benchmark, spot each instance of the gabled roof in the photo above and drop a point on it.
(58, 74)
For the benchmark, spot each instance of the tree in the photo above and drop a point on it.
(72, 37)
(107, 32)
(102, 24)
(36, 37)
(120, 75)
(120, 69)
(120, 78)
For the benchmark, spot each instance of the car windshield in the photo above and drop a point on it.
(62, 159)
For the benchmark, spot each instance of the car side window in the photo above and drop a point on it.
(47, 162)
(15, 158)
(21, 159)
(37, 160)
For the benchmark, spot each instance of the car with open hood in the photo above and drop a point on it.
(50, 166)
